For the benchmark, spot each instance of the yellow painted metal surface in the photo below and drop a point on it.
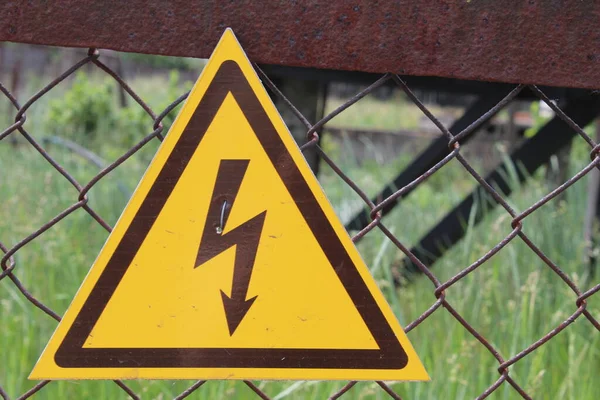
(179, 291)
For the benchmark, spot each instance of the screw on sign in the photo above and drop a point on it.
(229, 262)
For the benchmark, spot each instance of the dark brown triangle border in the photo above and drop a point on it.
(230, 79)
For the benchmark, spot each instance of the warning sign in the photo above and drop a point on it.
(229, 262)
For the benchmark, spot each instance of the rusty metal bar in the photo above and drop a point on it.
(519, 42)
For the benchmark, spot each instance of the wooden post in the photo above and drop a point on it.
(557, 169)
(121, 72)
(15, 85)
(592, 216)
(309, 97)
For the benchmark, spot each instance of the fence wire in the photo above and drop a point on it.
(10, 266)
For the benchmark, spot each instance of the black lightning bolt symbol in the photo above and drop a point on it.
(245, 237)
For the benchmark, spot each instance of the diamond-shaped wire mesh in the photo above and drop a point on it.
(441, 304)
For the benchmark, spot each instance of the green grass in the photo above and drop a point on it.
(372, 113)
(513, 299)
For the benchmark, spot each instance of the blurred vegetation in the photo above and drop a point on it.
(539, 120)
(164, 62)
(375, 114)
(89, 114)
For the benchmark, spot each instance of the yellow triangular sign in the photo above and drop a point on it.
(229, 262)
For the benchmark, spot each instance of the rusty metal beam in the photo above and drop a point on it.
(542, 42)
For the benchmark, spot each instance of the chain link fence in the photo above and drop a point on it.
(443, 301)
